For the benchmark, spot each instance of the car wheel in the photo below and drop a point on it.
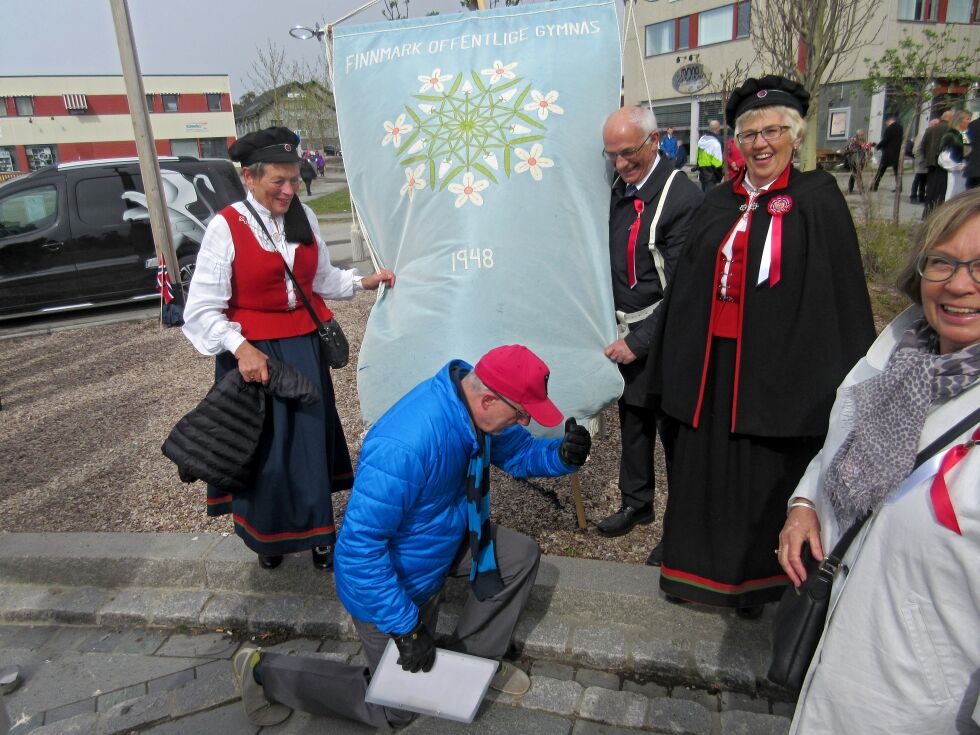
(186, 263)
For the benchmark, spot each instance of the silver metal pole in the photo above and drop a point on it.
(145, 145)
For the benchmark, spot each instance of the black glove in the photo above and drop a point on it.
(574, 449)
(416, 649)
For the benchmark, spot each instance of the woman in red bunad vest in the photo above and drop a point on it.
(767, 312)
(243, 308)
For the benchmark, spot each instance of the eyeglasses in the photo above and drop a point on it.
(522, 415)
(938, 268)
(770, 133)
(611, 156)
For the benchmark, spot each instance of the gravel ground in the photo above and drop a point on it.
(86, 410)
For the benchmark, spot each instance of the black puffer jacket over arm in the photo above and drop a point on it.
(217, 440)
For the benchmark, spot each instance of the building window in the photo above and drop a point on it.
(838, 123)
(169, 102)
(214, 102)
(8, 160)
(149, 103)
(39, 156)
(214, 147)
(961, 11)
(24, 105)
(684, 32)
(3, 107)
(710, 110)
(673, 116)
(742, 14)
(939, 11)
(715, 26)
(660, 38)
(727, 23)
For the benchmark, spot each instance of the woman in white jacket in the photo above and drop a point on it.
(901, 649)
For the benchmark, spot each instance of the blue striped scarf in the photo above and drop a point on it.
(484, 575)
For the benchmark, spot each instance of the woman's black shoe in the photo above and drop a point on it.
(322, 557)
(751, 612)
(270, 562)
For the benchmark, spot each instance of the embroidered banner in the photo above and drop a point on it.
(472, 145)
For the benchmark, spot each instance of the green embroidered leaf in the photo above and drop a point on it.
(485, 171)
(414, 159)
(530, 120)
(526, 139)
(408, 141)
(477, 81)
(450, 176)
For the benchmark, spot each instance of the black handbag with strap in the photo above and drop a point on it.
(802, 612)
(335, 345)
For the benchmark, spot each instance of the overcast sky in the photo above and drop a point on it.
(172, 36)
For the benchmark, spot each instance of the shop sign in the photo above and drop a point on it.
(690, 79)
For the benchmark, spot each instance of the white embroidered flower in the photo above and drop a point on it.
(469, 190)
(413, 181)
(491, 160)
(417, 146)
(447, 163)
(395, 130)
(519, 129)
(500, 71)
(544, 104)
(434, 81)
(427, 109)
(532, 161)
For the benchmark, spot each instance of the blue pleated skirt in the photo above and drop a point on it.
(302, 458)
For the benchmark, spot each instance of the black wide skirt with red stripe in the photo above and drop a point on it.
(726, 500)
(302, 458)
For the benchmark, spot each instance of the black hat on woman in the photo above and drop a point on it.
(765, 92)
(276, 145)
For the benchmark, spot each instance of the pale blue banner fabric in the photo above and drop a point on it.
(472, 145)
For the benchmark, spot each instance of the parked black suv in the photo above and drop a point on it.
(78, 234)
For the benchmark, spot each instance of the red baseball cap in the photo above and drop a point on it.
(519, 375)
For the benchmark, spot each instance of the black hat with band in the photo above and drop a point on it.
(767, 91)
(272, 145)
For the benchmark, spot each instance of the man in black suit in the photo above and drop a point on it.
(890, 147)
(972, 170)
(649, 216)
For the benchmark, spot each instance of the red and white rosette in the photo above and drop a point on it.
(772, 253)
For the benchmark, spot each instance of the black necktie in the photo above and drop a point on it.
(631, 190)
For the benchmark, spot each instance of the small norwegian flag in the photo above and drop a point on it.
(163, 282)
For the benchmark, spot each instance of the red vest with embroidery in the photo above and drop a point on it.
(258, 286)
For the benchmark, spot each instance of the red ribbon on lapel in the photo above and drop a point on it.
(778, 206)
(939, 492)
(631, 247)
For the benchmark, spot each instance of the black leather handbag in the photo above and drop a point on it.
(802, 612)
(335, 346)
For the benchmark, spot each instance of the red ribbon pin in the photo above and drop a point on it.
(939, 492)
(778, 206)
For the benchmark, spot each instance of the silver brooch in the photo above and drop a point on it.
(751, 207)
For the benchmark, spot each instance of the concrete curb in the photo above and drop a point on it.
(604, 615)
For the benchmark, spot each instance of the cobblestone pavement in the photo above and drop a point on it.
(87, 679)
(120, 633)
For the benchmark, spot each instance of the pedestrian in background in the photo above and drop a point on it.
(710, 157)
(918, 193)
(890, 149)
(307, 173)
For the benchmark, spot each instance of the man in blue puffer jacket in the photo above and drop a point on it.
(419, 513)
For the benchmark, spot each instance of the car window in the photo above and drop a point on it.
(28, 211)
(101, 202)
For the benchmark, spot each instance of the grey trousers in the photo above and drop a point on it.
(329, 688)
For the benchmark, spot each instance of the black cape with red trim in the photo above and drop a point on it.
(800, 338)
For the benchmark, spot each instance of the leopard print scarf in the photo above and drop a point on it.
(886, 414)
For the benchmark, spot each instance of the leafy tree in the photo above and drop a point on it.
(813, 42)
(909, 72)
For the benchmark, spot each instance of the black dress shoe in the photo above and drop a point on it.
(656, 556)
(322, 557)
(675, 600)
(270, 562)
(751, 612)
(622, 521)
